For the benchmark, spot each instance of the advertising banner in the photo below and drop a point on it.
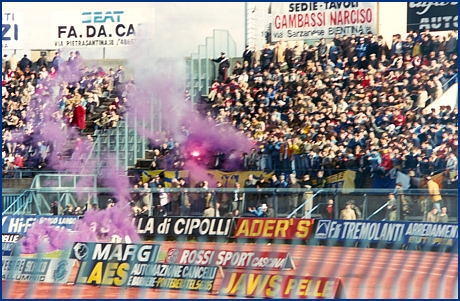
(435, 16)
(134, 265)
(110, 263)
(20, 224)
(188, 226)
(9, 243)
(104, 28)
(12, 30)
(316, 20)
(271, 285)
(174, 276)
(431, 234)
(231, 259)
(50, 270)
(274, 228)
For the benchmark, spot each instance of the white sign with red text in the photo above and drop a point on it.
(316, 20)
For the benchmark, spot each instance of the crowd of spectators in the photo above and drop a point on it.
(355, 103)
(61, 92)
(313, 110)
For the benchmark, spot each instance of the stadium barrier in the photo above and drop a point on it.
(370, 204)
(394, 234)
(268, 258)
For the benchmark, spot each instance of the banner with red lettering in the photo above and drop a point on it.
(315, 20)
(271, 285)
(274, 228)
(231, 259)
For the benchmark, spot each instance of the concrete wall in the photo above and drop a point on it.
(17, 183)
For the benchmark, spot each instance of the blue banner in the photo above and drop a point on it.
(412, 233)
(20, 224)
(27, 269)
(9, 244)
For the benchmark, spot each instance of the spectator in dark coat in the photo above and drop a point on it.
(266, 57)
(426, 46)
(373, 47)
(322, 51)
(451, 45)
(24, 63)
(42, 61)
(247, 56)
(224, 64)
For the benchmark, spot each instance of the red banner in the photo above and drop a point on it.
(282, 228)
(264, 285)
(231, 259)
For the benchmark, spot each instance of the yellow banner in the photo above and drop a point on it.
(342, 180)
(228, 179)
(168, 175)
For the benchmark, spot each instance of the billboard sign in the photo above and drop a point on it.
(98, 28)
(231, 259)
(418, 233)
(270, 285)
(134, 265)
(12, 30)
(435, 16)
(184, 226)
(274, 228)
(9, 242)
(110, 263)
(20, 224)
(315, 20)
(50, 270)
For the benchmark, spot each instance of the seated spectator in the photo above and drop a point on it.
(159, 210)
(114, 118)
(261, 211)
(144, 211)
(101, 124)
(212, 211)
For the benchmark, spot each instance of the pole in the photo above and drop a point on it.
(336, 204)
(103, 53)
(245, 23)
(365, 207)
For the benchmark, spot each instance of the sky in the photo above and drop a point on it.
(178, 26)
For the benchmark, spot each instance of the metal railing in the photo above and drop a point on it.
(305, 203)
(377, 211)
(450, 82)
(193, 201)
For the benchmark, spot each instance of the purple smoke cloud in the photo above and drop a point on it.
(95, 226)
(160, 80)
